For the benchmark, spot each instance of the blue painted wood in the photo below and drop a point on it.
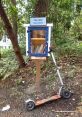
(30, 29)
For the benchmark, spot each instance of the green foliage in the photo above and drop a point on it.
(70, 49)
(23, 47)
(7, 53)
(8, 63)
(7, 66)
(81, 99)
(65, 33)
(62, 13)
(1, 29)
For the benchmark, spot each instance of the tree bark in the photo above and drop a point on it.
(12, 36)
(41, 8)
(14, 19)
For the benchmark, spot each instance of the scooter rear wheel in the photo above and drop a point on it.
(66, 94)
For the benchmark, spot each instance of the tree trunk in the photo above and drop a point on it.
(12, 36)
(41, 8)
(14, 19)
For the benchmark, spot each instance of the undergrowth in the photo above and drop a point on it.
(8, 62)
(70, 49)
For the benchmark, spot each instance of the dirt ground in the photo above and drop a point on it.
(21, 85)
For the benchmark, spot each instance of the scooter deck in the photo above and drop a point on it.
(40, 102)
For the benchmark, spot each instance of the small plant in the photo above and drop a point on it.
(18, 81)
(7, 53)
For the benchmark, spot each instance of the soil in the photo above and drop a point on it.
(20, 86)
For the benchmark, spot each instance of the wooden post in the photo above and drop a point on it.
(38, 61)
(38, 69)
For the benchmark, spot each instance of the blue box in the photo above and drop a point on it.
(37, 40)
